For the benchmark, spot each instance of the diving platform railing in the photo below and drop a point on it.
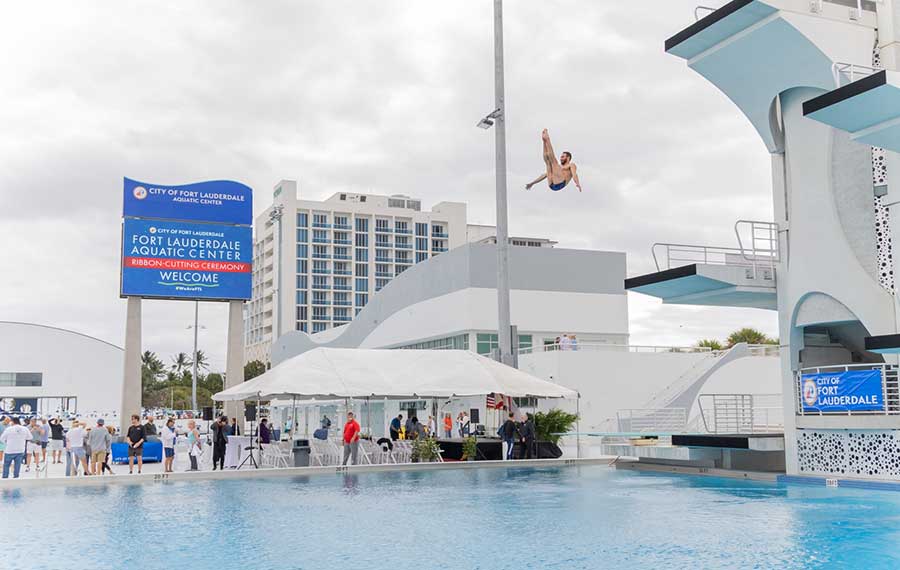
(603, 346)
(757, 250)
(666, 420)
(741, 413)
(890, 391)
(844, 73)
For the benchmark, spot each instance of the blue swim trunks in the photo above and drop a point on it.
(559, 186)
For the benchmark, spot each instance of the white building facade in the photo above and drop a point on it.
(47, 370)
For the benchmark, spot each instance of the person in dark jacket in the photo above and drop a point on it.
(509, 432)
(220, 439)
(265, 434)
(529, 436)
(395, 427)
(235, 428)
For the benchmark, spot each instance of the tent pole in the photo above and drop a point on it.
(369, 414)
(578, 427)
(293, 416)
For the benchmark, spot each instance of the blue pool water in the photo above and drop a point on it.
(547, 518)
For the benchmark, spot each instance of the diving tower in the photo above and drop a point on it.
(818, 80)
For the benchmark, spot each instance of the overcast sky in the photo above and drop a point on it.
(375, 97)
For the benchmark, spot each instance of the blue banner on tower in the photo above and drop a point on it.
(223, 201)
(178, 260)
(847, 391)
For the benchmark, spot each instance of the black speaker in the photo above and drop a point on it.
(207, 414)
(250, 413)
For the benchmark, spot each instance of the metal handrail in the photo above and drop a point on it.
(650, 420)
(697, 12)
(741, 413)
(763, 241)
(598, 346)
(851, 70)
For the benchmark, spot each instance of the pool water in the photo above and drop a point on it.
(548, 518)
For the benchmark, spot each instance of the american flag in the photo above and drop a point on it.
(491, 401)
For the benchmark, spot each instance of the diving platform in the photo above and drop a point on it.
(752, 49)
(868, 109)
(753, 451)
(883, 344)
(711, 285)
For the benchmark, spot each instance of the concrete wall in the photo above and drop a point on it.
(72, 364)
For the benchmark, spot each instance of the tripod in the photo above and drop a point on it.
(250, 457)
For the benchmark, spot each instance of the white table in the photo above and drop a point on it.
(236, 450)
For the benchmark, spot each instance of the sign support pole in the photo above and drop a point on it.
(131, 374)
(234, 359)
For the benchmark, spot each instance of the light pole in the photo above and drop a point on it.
(498, 118)
(275, 216)
(196, 328)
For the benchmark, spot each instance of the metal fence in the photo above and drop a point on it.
(741, 413)
(603, 346)
(890, 390)
(650, 420)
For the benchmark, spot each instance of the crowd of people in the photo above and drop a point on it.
(566, 342)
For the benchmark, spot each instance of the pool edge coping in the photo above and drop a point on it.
(155, 478)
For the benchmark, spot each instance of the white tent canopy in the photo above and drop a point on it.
(361, 373)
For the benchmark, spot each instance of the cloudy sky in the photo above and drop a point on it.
(361, 96)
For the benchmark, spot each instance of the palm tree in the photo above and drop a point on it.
(151, 366)
(180, 362)
(750, 336)
(202, 361)
(709, 343)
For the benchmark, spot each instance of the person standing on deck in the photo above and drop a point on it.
(135, 438)
(14, 439)
(98, 440)
(508, 431)
(351, 439)
(448, 426)
(56, 440)
(528, 437)
(220, 440)
(168, 437)
(394, 428)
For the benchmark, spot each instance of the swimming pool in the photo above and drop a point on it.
(522, 518)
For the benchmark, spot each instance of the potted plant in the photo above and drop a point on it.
(469, 449)
(425, 449)
(550, 426)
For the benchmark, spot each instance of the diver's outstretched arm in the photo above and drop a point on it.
(575, 177)
(539, 178)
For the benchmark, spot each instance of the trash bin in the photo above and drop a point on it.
(300, 451)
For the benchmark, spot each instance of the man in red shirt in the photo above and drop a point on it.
(351, 438)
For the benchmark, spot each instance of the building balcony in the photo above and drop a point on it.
(343, 319)
(321, 256)
(343, 242)
(383, 230)
(343, 303)
(439, 249)
(325, 318)
(383, 274)
(321, 240)
(321, 302)
(404, 246)
(345, 227)
(321, 286)
(321, 225)
(342, 288)
(383, 260)
(404, 260)
(401, 231)
(343, 256)
(384, 244)
(342, 272)
(439, 235)
(319, 271)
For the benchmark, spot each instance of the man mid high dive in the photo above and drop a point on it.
(559, 172)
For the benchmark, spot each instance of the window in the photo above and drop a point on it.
(457, 342)
(302, 250)
(401, 269)
(319, 327)
(486, 342)
(302, 220)
(26, 379)
(362, 240)
(302, 236)
(382, 270)
(422, 244)
(320, 266)
(437, 230)
(362, 270)
(302, 266)
(341, 220)
(421, 256)
(361, 300)
(302, 313)
(380, 283)
(320, 220)
(320, 282)
(301, 298)
(321, 251)
(526, 402)
(320, 313)
(320, 298)
(362, 284)
(421, 229)
(302, 282)
(320, 236)
(414, 205)
(362, 255)
(382, 225)
(362, 224)
(396, 203)
(302, 327)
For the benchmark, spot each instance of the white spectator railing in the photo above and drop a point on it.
(650, 420)
(602, 346)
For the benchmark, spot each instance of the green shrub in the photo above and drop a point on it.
(549, 426)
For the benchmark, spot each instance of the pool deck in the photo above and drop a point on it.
(28, 481)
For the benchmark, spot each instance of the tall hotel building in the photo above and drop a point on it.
(334, 255)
